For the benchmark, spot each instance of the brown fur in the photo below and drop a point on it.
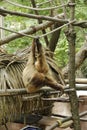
(37, 72)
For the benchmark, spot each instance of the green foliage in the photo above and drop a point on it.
(18, 44)
(61, 52)
(62, 48)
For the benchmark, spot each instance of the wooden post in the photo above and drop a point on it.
(71, 36)
(1, 24)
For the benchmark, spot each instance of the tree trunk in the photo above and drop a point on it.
(71, 36)
(54, 38)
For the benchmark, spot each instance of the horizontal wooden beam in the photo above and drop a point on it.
(79, 80)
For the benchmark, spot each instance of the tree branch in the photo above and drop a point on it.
(33, 16)
(40, 21)
(30, 30)
(36, 9)
(82, 24)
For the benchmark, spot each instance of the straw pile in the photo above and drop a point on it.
(11, 67)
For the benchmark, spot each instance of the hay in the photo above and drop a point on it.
(11, 67)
